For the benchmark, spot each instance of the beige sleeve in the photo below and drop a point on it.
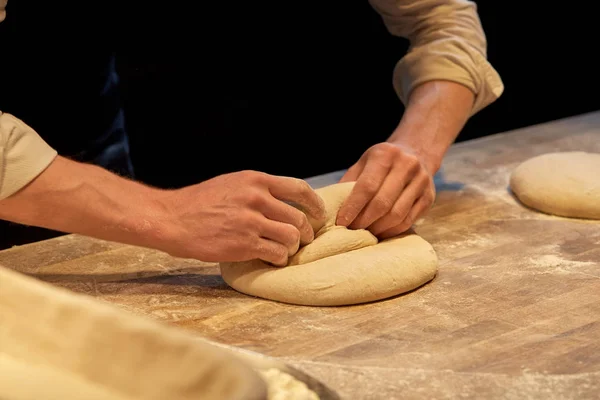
(23, 154)
(447, 42)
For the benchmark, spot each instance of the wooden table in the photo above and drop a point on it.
(513, 313)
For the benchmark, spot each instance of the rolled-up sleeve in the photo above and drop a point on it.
(447, 42)
(23, 154)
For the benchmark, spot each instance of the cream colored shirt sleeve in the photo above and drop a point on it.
(23, 154)
(447, 42)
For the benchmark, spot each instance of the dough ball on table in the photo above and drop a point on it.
(341, 266)
(565, 184)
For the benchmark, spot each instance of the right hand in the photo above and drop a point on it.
(241, 216)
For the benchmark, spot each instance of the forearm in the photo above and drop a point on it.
(435, 114)
(79, 198)
(447, 43)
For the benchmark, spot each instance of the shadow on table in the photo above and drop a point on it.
(190, 284)
(442, 185)
(178, 278)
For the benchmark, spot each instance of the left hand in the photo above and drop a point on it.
(393, 189)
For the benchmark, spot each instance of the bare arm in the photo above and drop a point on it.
(78, 198)
(41, 189)
(443, 80)
(445, 77)
(436, 113)
(232, 217)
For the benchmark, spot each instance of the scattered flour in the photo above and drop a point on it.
(551, 263)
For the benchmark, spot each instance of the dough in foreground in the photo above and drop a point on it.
(283, 386)
(565, 184)
(340, 267)
(56, 344)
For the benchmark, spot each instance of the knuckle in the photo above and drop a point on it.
(255, 248)
(424, 176)
(421, 174)
(428, 199)
(252, 176)
(280, 255)
(412, 163)
(398, 212)
(246, 174)
(300, 221)
(346, 215)
(383, 148)
(303, 185)
(370, 185)
(292, 235)
(382, 204)
(380, 153)
(254, 198)
(247, 220)
(432, 193)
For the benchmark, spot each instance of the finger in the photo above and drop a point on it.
(413, 191)
(299, 192)
(389, 192)
(417, 210)
(364, 190)
(277, 210)
(282, 233)
(271, 252)
(353, 172)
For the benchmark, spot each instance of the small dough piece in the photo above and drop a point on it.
(340, 267)
(283, 386)
(335, 240)
(566, 184)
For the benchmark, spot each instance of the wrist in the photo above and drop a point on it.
(154, 224)
(435, 114)
(143, 219)
(430, 158)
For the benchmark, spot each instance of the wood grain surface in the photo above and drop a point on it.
(513, 313)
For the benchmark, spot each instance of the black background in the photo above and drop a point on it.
(214, 88)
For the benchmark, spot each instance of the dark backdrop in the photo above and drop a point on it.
(214, 88)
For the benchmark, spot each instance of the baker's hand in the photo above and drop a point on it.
(393, 189)
(242, 216)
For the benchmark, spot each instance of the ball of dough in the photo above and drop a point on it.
(565, 184)
(340, 267)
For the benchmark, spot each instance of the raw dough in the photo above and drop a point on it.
(564, 184)
(340, 267)
(56, 344)
(283, 386)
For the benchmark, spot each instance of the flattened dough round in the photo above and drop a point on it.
(565, 184)
(340, 267)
